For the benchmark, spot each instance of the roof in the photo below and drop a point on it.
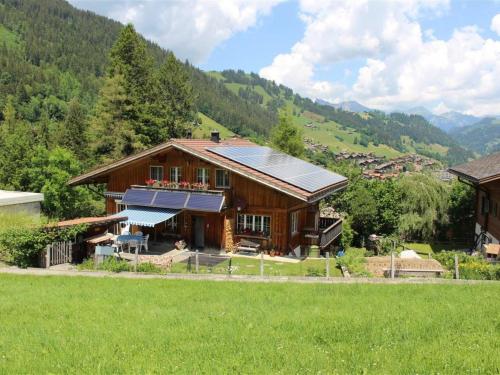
(8, 198)
(200, 148)
(479, 171)
(493, 249)
(92, 221)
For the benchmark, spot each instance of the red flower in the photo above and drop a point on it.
(150, 182)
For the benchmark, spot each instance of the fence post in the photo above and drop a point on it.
(457, 275)
(47, 257)
(196, 262)
(261, 264)
(136, 257)
(327, 264)
(392, 265)
(229, 269)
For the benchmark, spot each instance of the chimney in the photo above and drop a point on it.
(189, 134)
(215, 136)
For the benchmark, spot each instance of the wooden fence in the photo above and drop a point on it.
(58, 253)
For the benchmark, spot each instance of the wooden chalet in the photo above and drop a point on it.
(484, 175)
(221, 194)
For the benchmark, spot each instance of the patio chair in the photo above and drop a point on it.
(117, 246)
(134, 244)
(145, 240)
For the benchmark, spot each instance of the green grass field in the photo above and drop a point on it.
(110, 325)
(206, 127)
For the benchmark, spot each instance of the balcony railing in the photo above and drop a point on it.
(330, 233)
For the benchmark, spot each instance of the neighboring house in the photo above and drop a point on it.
(221, 193)
(484, 175)
(20, 202)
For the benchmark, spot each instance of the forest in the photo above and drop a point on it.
(78, 90)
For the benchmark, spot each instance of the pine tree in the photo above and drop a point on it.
(129, 59)
(112, 132)
(174, 100)
(287, 137)
(74, 131)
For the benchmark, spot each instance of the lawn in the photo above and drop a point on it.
(109, 325)
(245, 266)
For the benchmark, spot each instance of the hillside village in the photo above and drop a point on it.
(376, 167)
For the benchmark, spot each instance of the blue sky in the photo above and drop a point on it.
(441, 54)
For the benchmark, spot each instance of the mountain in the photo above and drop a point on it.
(351, 106)
(51, 52)
(482, 137)
(383, 134)
(445, 121)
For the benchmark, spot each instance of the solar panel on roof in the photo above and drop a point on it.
(205, 202)
(138, 197)
(284, 167)
(170, 199)
(173, 200)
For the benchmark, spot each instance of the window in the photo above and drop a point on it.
(485, 205)
(176, 174)
(294, 222)
(202, 175)
(255, 225)
(221, 178)
(119, 205)
(156, 172)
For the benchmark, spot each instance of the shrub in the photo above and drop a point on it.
(87, 264)
(315, 272)
(469, 267)
(22, 246)
(354, 261)
(149, 268)
(113, 264)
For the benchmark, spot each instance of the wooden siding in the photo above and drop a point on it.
(258, 200)
(493, 188)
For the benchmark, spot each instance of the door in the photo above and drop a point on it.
(199, 231)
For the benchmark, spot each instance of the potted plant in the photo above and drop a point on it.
(150, 182)
(272, 252)
(165, 183)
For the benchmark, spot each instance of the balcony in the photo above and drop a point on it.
(327, 234)
(329, 230)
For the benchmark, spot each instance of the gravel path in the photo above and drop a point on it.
(240, 278)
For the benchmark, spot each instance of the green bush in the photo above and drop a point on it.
(22, 246)
(469, 267)
(113, 264)
(149, 268)
(315, 272)
(87, 264)
(354, 260)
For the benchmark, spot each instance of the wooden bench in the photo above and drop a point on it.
(248, 246)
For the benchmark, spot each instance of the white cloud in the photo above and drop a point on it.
(403, 65)
(190, 28)
(495, 24)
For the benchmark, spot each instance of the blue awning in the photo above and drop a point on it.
(147, 216)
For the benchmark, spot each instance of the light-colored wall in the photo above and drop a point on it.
(32, 208)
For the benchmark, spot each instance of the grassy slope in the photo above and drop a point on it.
(207, 125)
(87, 325)
(327, 131)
